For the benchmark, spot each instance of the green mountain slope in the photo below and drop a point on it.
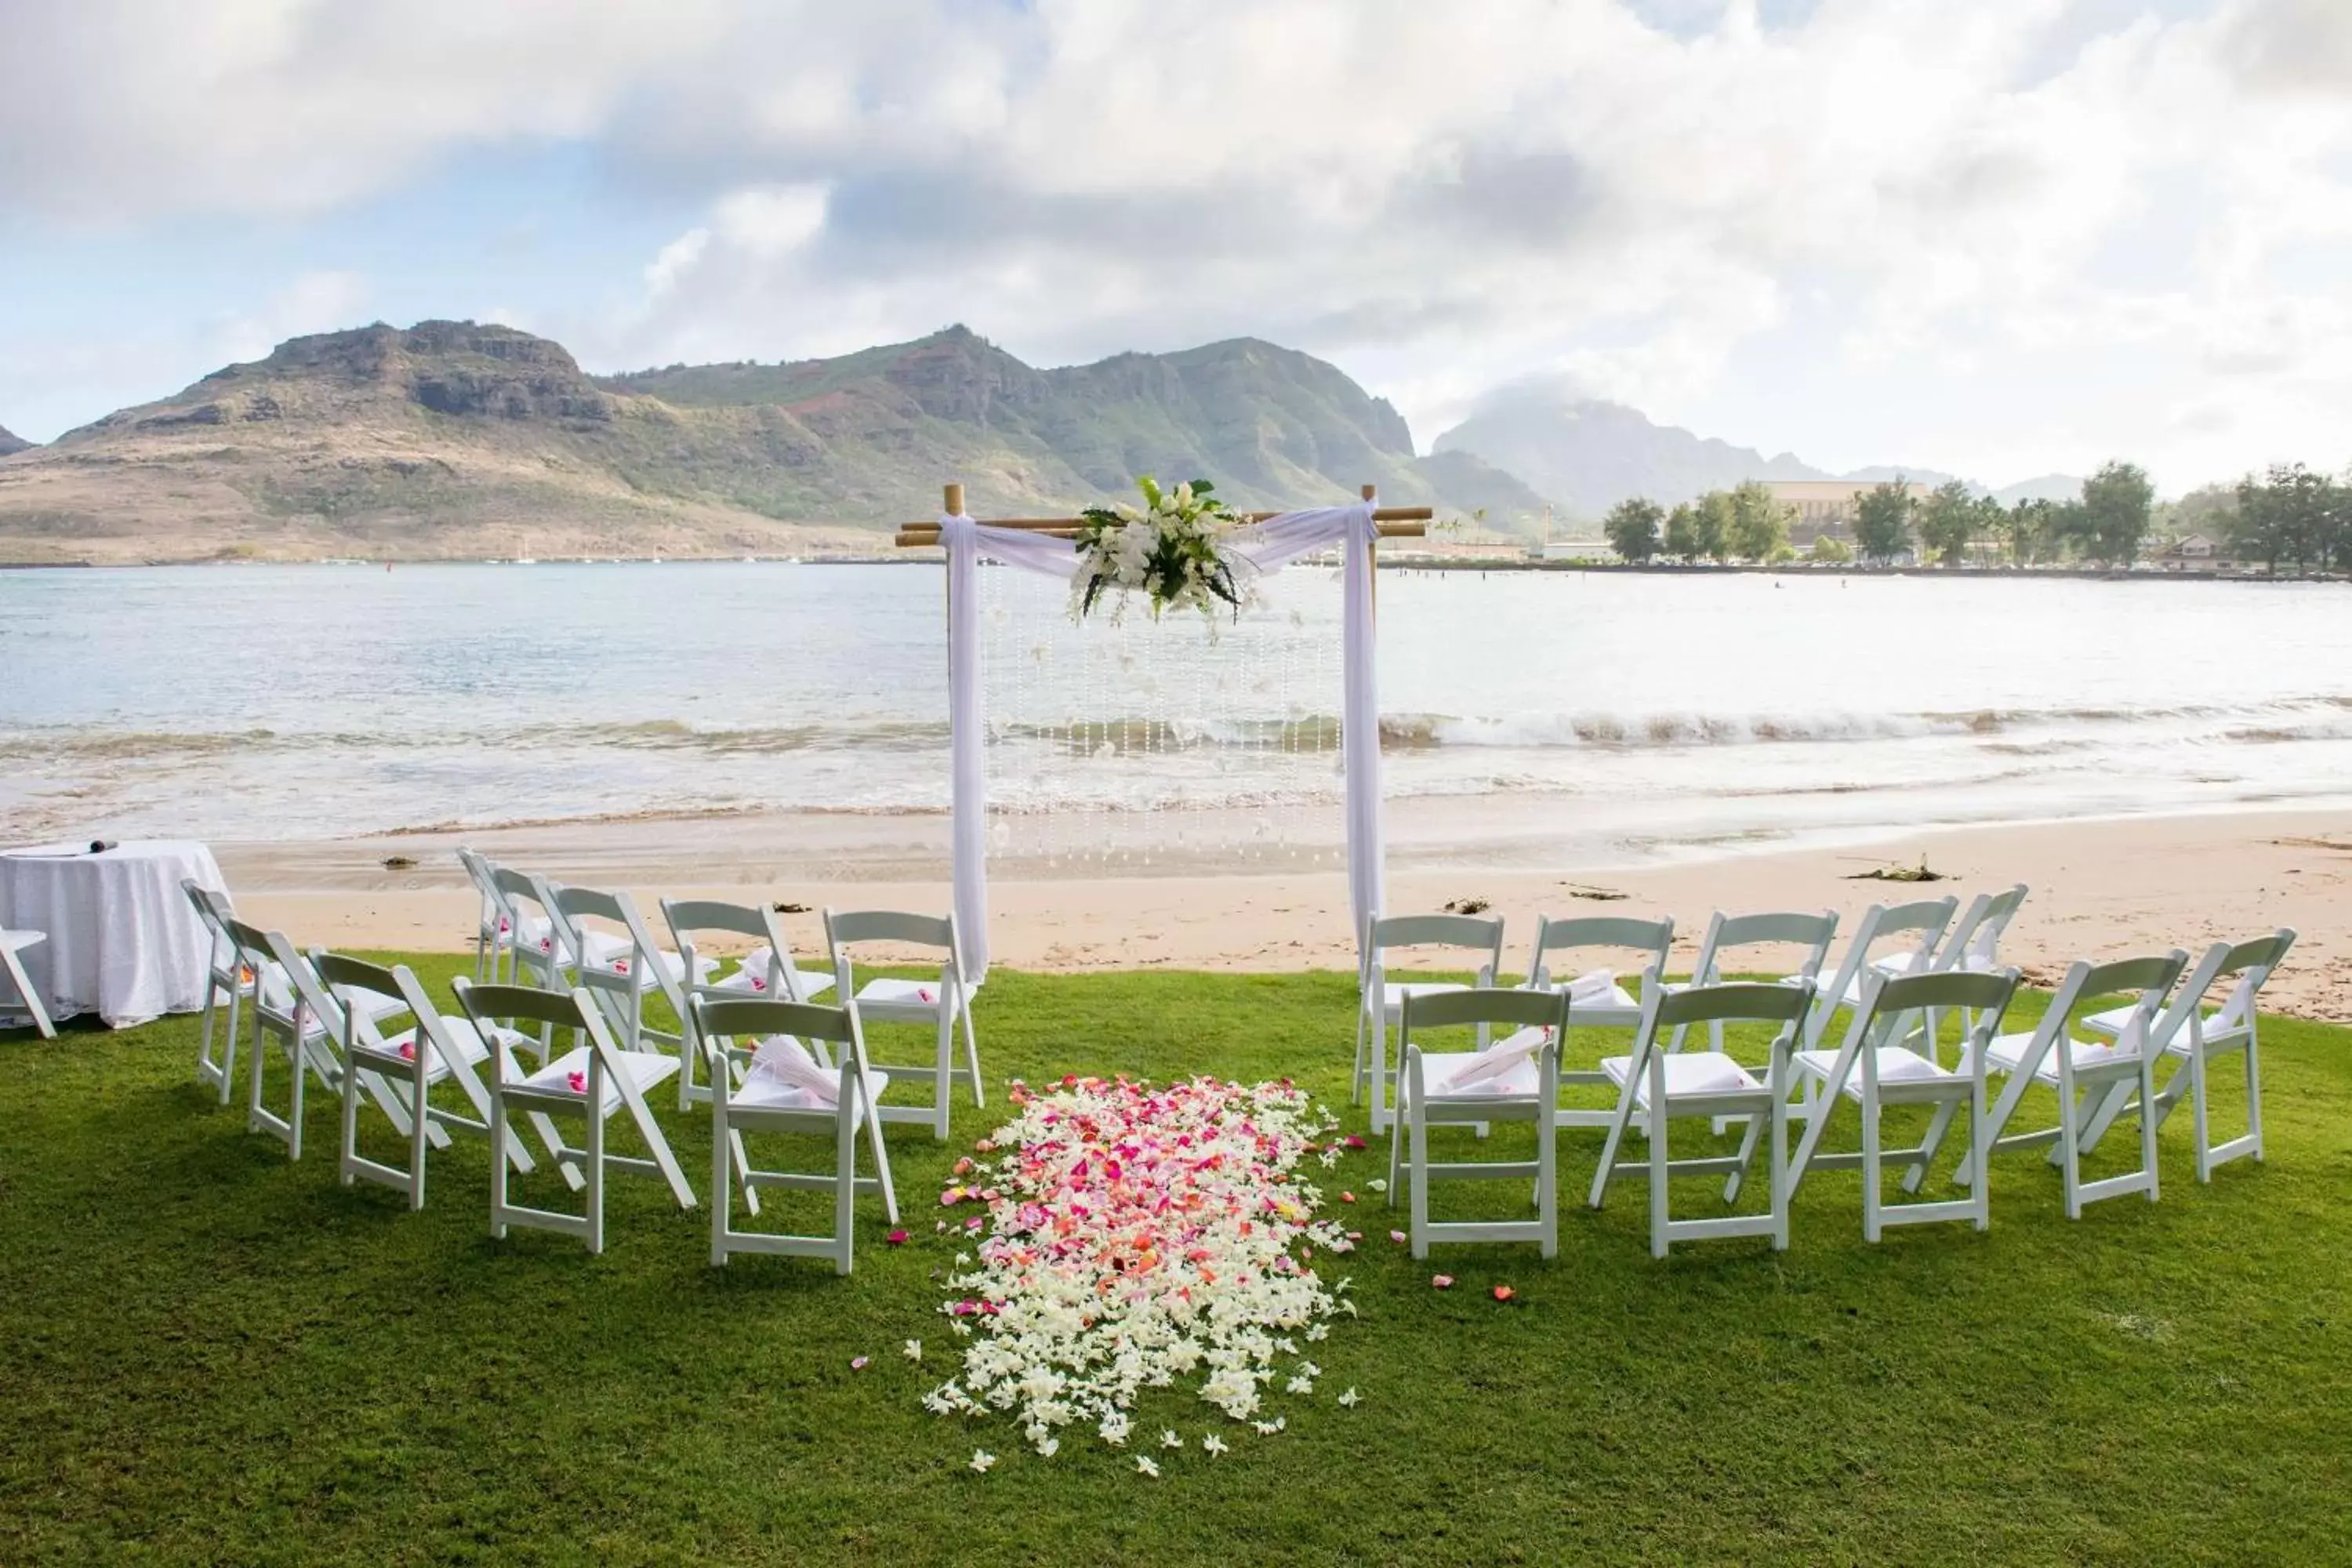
(452, 439)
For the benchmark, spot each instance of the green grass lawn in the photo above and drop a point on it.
(209, 1354)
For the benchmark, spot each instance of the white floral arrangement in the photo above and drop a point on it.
(1173, 549)
(1136, 1236)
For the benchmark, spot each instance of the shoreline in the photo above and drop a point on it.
(2103, 888)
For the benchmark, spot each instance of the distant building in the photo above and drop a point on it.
(1575, 550)
(1825, 506)
(2191, 553)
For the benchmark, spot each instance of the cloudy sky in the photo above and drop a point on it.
(1996, 236)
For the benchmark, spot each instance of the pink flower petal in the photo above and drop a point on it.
(1504, 1293)
(1399, 1237)
(1442, 1281)
(897, 1238)
(857, 1363)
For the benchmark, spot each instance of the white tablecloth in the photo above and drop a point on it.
(124, 942)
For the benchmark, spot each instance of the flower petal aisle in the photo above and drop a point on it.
(1136, 1236)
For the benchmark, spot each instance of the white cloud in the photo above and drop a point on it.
(1932, 219)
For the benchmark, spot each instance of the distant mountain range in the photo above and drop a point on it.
(1587, 454)
(11, 443)
(450, 439)
(455, 439)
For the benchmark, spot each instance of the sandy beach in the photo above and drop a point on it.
(2100, 889)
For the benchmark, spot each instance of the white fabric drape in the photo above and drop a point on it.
(1268, 546)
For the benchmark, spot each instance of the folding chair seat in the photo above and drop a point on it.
(1873, 1070)
(1597, 999)
(2081, 1073)
(12, 969)
(786, 1087)
(1659, 1085)
(1514, 1079)
(1380, 1000)
(595, 1081)
(433, 1051)
(942, 1004)
(224, 977)
(766, 973)
(2188, 1031)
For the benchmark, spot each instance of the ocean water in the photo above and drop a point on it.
(292, 702)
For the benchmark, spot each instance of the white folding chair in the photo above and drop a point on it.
(291, 1006)
(1379, 1001)
(225, 977)
(1922, 923)
(1660, 1086)
(432, 1051)
(594, 1080)
(623, 968)
(2188, 1031)
(1515, 1079)
(942, 1004)
(786, 1088)
(13, 942)
(767, 973)
(1971, 944)
(1810, 934)
(2080, 1074)
(1596, 1000)
(1875, 1069)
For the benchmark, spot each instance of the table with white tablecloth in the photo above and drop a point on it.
(123, 941)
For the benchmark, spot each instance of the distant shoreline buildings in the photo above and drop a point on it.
(1816, 507)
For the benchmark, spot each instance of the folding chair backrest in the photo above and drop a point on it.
(1735, 1002)
(1472, 933)
(1974, 940)
(251, 946)
(687, 918)
(1777, 927)
(1889, 1005)
(2251, 962)
(342, 974)
(1485, 1004)
(2146, 979)
(1654, 938)
(478, 871)
(557, 1009)
(526, 899)
(726, 1019)
(576, 905)
(845, 928)
(1923, 921)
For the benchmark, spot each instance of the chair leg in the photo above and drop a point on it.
(2199, 1115)
(1396, 1158)
(944, 1094)
(2068, 1150)
(500, 1136)
(420, 1124)
(2253, 1093)
(1976, 1152)
(25, 992)
(1731, 1184)
(1777, 1172)
(348, 1125)
(1658, 1165)
(722, 1187)
(228, 1046)
(1870, 1172)
(844, 1188)
(2147, 1118)
(1547, 1183)
(595, 1169)
(972, 1054)
(1417, 1129)
(1356, 1081)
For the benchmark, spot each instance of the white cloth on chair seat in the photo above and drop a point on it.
(603, 947)
(1687, 1073)
(2008, 1050)
(904, 995)
(645, 1068)
(466, 1039)
(769, 1094)
(1438, 1069)
(663, 963)
(751, 977)
(1896, 1063)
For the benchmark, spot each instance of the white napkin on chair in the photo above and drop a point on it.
(785, 1060)
(1595, 985)
(1497, 1058)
